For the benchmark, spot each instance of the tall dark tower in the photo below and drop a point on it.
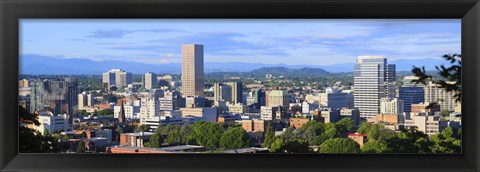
(121, 117)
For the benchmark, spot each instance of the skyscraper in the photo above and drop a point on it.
(373, 79)
(117, 77)
(192, 70)
(150, 80)
(56, 95)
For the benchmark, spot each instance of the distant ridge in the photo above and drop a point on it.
(278, 71)
(38, 64)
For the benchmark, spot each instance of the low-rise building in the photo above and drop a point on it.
(50, 123)
(360, 138)
(298, 122)
(135, 139)
(428, 124)
(208, 114)
(254, 125)
(389, 119)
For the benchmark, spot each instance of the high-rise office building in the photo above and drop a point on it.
(373, 80)
(150, 80)
(192, 70)
(117, 77)
(411, 95)
(56, 95)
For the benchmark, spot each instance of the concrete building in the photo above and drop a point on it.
(427, 124)
(170, 101)
(308, 107)
(149, 107)
(237, 92)
(267, 113)
(208, 114)
(150, 80)
(353, 114)
(373, 80)
(192, 70)
(330, 115)
(391, 106)
(50, 122)
(277, 98)
(117, 77)
(238, 108)
(85, 100)
(334, 98)
(131, 112)
(433, 93)
(422, 107)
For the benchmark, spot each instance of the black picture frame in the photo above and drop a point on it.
(13, 10)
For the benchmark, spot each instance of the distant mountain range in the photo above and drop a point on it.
(279, 71)
(36, 64)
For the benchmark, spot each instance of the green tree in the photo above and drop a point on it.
(345, 125)
(445, 142)
(340, 145)
(364, 127)
(277, 145)
(155, 141)
(269, 136)
(410, 141)
(234, 138)
(296, 146)
(206, 134)
(374, 147)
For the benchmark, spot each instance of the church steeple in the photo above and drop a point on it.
(121, 117)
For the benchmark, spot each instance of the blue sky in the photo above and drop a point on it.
(295, 42)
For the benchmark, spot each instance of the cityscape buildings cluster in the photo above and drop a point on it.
(376, 96)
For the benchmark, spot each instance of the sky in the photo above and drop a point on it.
(273, 41)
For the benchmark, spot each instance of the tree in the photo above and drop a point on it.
(364, 127)
(206, 134)
(340, 145)
(296, 146)
(345, 125)
(234, 138)
(374, 146)
(410, 141)
(277, 145)
(155, 141)
(30, 140)
(269, 136)
(445, 142)
(450, 76)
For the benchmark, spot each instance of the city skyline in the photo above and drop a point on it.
(261, 41)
